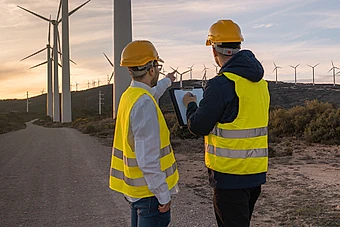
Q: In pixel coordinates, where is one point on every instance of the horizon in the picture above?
(287, 33)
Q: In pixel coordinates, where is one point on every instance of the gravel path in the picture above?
(56, 177)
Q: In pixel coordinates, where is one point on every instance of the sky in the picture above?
(287, 32)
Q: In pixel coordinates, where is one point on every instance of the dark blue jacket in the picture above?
(220, 104)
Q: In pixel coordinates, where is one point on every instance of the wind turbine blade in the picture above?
(38, 65)
(297, 66)
(274, 69)
(310, 66)
(330, 69)
(35, 14)
(316, 64)
(332, 63)
(186, 71)
(111, 76)
(292, 66)
(59, 8)
(73, 11)
(73, 62)
(108, 60)
(274, 64)
(175, 70)
(33, 54)
(49, 32)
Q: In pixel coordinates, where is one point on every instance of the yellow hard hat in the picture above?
(138, 53)
(224, 31)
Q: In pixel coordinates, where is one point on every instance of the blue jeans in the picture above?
(144, 213)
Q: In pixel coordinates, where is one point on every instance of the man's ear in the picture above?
(152, 71)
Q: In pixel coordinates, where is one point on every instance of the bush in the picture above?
(316, 122)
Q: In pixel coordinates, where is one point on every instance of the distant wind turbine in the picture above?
(49, 97)
(275, 69)
(333, 68)
(216, 68)
(313, 70)
(113, 70)
(294, 67)
(191, 71)
(180, 76)
(204, 78)
(176, 72)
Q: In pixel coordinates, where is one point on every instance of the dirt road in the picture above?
(56, 177)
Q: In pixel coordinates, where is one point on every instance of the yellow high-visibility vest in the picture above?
(125, 175)
(241, 147)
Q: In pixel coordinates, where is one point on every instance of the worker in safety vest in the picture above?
(143, 165)
(233, 117)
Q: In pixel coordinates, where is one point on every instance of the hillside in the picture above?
(285, 95)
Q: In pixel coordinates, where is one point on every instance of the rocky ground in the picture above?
(302, 189)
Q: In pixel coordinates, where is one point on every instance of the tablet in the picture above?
(177, 94)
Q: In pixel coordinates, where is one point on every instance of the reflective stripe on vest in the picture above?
(138, 182)
(237, 134)
(132, 162)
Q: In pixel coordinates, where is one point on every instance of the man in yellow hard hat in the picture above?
(233, 117)
(143, 165)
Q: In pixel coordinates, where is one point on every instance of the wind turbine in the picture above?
(56, 107)
(313, 70)
(216, 68)
(333, 68)
(275, 69)
(294, 67)
(176, 72)
(113, 71)
(181, 76)
(163, 72)
(56, 41)
(49, 98)
(204, 78)
(191, 71)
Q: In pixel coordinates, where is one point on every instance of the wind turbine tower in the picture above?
(66, 111)
(294, 67)
(333, 68)
(122, 35)
(275, 69)
(313, 70)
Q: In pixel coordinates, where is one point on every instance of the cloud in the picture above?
(263, 25)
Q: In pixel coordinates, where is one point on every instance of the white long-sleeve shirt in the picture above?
(145, 139)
